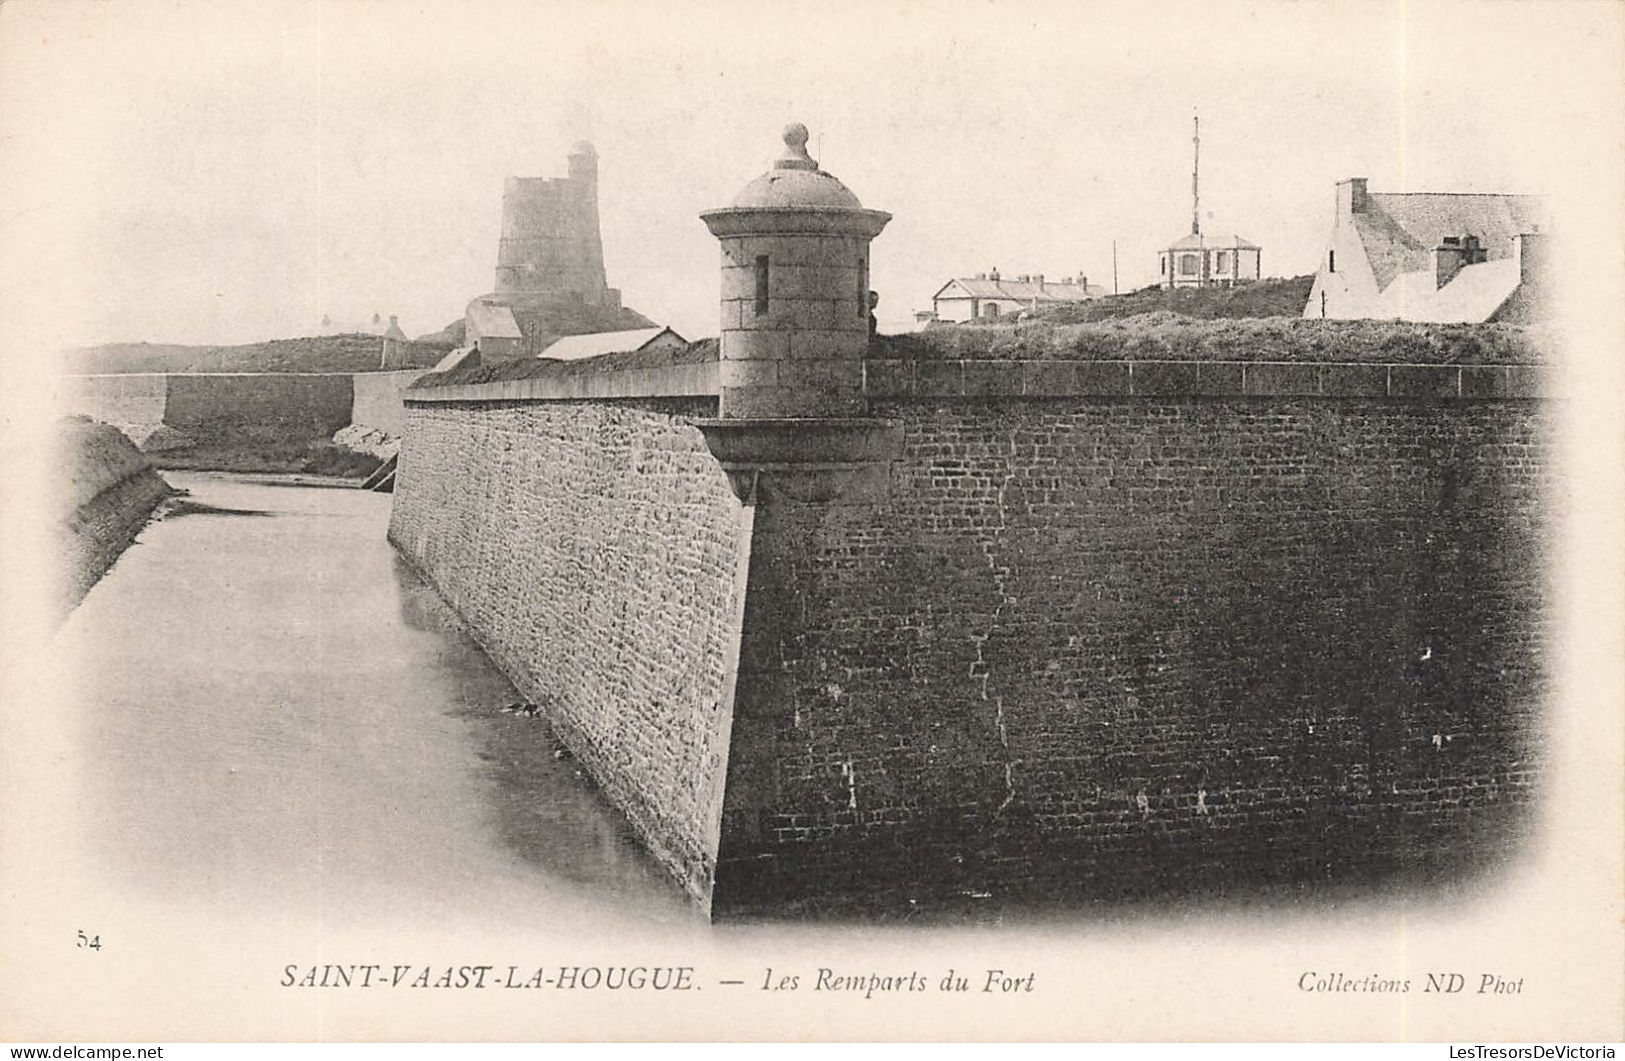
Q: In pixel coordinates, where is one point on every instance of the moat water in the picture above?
(273, 712)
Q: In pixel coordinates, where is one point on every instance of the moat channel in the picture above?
(275, 711)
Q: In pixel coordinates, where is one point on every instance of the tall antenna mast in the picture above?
(1196, 166)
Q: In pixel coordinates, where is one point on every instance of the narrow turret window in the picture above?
(863, 289)
(761, 285)
(1331, 261)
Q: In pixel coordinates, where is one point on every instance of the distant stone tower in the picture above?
(795, 291)
(550, 243)
(550, 277)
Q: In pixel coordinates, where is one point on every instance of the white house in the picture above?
(1429, 256)
(987, 296)
(1200, 260)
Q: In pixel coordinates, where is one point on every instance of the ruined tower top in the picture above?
(550, 243)
(582, 164)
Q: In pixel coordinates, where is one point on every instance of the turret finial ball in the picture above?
(795, 136)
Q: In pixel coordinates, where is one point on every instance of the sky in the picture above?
(217, 173)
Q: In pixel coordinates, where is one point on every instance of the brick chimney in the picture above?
(1351, 198)
(1448, 258)
(1534, 268)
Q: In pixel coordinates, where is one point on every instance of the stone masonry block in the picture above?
(938, 379)
(1424, 381)
(749, 373)
(980, 378)
(1219, 378)
(1483, 381)
(759, 401)
(1274, 379)
(844, 374)
(1527, 381)
(888, 379)
(813, 282)
(755, 345)
(796, 314)
(846, 313)
(1049, 379)
(739, 282)
(1103, 377)
(1354, 381)
(1164, 378)
(815, 343)
(809, 249)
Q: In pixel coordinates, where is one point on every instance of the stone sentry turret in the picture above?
(795, 290)
(795, 330)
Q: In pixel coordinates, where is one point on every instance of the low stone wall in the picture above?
(377, 400)
(112, 491)
(1086, 627)
(259, 405)
(168, 411)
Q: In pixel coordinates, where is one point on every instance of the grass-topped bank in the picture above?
(1167, 336)
(270, 455)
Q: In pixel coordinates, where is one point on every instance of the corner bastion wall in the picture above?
(592, 547)
(1183, 619)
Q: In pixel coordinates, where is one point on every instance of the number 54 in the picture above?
(91, 942)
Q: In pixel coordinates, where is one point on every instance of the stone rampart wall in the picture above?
(1108, 646)
(592, 548)
(1102, 627)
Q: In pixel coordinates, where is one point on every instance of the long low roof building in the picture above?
(596, 344)
(989, 295)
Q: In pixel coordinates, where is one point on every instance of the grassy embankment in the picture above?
(316, 457)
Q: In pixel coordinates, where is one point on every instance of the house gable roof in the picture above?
(1474, 294)
(1399, 230)
(1019, 290)
(494, 322)
(593, 344)
(1216, 243)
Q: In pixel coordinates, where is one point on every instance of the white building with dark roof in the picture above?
(1201, 260)
(491, 327)
(1428, 256)
(987, 296)
(596, 344)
